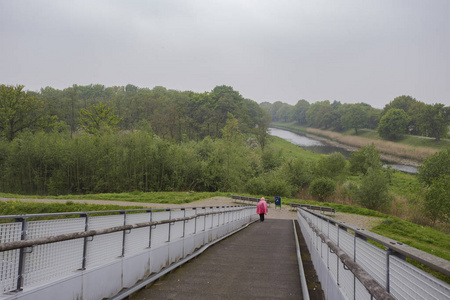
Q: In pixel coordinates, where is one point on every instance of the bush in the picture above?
(297, 173)
(322, 187)
(393, 124)
(434, 166)
(437, 200)
(330, 166)
(373, 193)
(366, 157)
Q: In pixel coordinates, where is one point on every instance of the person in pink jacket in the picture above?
(261, 209)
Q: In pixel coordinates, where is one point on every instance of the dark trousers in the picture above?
(261, 217)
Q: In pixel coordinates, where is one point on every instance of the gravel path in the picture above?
(274, 213)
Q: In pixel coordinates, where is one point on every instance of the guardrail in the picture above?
(322, 209)
(249, 199)
(351, 268)
(91, 256)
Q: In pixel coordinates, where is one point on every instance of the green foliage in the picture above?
(434, 166)
(364, 158)
(19, 111)
(373, 193)
(322, 187)
(437, 200)
(355, 116)
(331, 166)
(99, 117)
(393, 124)
(297, 172)
(271, 160)
(435, 120)
(300, 109)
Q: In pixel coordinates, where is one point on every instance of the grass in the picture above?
(8, 208)
(410, 147)
(152, 197)
(290, 150)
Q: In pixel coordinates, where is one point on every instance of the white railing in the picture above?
(351, 268)
(96, 256)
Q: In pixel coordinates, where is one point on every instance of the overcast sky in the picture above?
(279, 50)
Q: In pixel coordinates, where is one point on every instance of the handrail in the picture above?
(434, 262)
(84, 213)
(76, 235)
(374, 288)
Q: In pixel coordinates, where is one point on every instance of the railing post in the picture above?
(204, 219)
(85, 240)
(124, 213)
(195, 220)
(150, 229)
(21, 266)
(390, 252)
(184, 222)
(170, 223)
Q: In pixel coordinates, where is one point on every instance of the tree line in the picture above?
(174, 115)
(403, 115)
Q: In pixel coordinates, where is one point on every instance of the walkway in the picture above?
(259, 262)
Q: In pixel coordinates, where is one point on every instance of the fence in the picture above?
(349, 267)
(92, 256)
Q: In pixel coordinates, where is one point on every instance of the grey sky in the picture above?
(280, 50)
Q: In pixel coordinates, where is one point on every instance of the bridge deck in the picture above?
(258, 262)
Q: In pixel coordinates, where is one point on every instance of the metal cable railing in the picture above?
(351, 268)
(35, 252)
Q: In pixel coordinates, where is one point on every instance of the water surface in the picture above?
(323, 148)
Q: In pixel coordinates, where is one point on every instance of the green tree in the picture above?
(261, 131)
(98, 117)
(437, 200)
(364, 158)
(322, 187)
(300, 110)
(393, 124)
(435, 120)
(356, 117)
(434, 166)
(373, 193)
(19, 111)
(330, 166)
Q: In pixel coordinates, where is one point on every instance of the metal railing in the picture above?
(33, 253)
(349, 267)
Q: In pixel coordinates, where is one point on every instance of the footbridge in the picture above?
(204, 253)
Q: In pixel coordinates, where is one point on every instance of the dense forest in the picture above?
(88, 139)
(403, 115)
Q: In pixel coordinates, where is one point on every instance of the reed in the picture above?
(387, 147)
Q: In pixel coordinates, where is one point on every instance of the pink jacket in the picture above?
(261, 208)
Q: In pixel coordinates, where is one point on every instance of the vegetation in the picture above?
(415, 118)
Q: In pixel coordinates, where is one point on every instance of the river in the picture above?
(323, 148)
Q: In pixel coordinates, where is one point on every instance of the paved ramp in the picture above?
(259, 262)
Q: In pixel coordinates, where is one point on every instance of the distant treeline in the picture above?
(172, 114)
(403, 115)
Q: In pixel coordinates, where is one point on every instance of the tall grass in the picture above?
(393, 148)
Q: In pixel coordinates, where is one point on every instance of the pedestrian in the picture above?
(261, 209)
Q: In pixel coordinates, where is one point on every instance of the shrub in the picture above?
(437, 200)
(322, 187)
(366, 157)
(393, 124)
(434, 166)
(373, 193)
(330, 166)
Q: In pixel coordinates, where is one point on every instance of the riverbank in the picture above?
(389, 158)
(390, 152)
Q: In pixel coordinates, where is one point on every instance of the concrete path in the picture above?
(259, 262)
